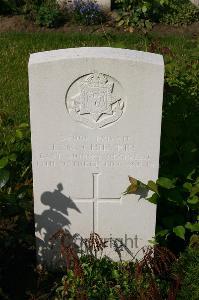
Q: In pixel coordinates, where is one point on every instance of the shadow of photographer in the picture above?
(52, 220)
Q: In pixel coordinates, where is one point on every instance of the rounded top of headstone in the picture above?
(96, 52)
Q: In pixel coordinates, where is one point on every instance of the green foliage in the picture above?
(142, 14)
(106, 279)
(178, 206)
(180, 12)
(31, 7)
(139, 14)
(178, 200)
(103, 279)
(8, 6)
(177, 187)
(188, 267)
(49, 15)
(178, 160)
(16, 225)
(194, 242)
(17, 6)
(44, 12)
(180, 141)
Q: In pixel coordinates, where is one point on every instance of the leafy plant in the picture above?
(87, 12)
(139, 14)
(179, 149)
(49, 15)
(106, 279)
(188, 268)
(180, 12)
(142, 14)
(8, 6)
(16, 225)
(178, 203)
(30, 8)
(179, 157)
(18, 6)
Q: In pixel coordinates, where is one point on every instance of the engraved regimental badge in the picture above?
(95, 100)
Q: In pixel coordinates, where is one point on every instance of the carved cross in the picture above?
(96, 200)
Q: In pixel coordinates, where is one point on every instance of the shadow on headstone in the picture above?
(142, 192)
(51, 221)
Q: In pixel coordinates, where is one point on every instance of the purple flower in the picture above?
(87, 11)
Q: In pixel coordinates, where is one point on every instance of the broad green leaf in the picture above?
(194, 227)
(175, 196)
(148, 24)
(4, 177)
(19, 134)
(171, 220)
(12, 157)
(152, 186)
(142, 185)
(3, 162)
(153, 242)
(193, 200)
(179, 231)
(153, 199)
(195, 190)
(162, 232)
(132, 180)
(189, 176)
(132, 188)
(120, 23)
(115, 274)
(165, 183)
(187, 186)
(23, 125)
(144, 8)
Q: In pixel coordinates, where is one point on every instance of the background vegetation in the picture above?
(143, 14)
(161, 274)
(130, 14)
(176, 192)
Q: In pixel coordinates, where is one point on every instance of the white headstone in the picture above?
(95, 119)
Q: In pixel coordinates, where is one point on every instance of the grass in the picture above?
(15, 49)
(181, 88)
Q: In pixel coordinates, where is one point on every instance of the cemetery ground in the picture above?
(18, 23)
(159, 276)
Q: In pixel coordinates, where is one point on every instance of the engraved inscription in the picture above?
(96, 152)
(98, 102)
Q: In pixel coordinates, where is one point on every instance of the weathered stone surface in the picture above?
(95, 119)
(195, 2)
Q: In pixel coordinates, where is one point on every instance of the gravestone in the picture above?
(95, 119)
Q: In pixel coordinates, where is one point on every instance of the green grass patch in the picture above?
(178, 161)
(15, 49)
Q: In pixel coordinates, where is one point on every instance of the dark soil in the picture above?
(192, 30)
(18, 23)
